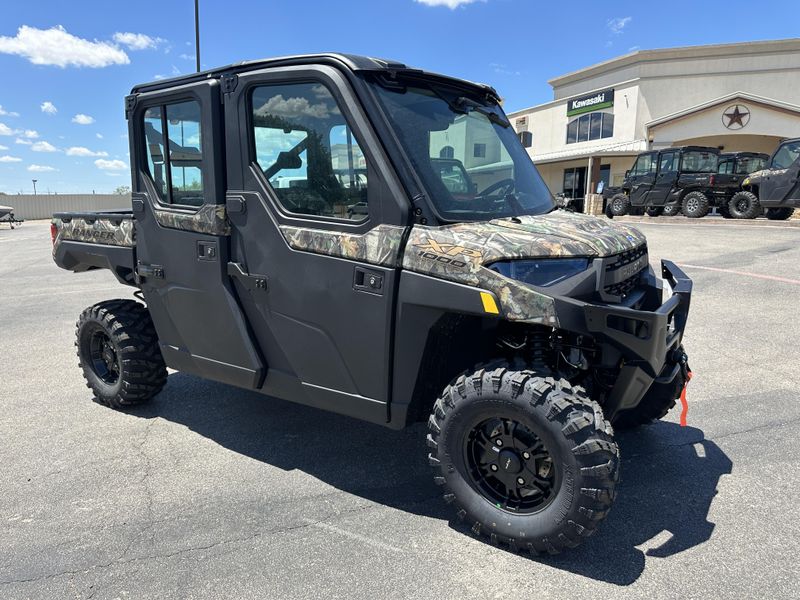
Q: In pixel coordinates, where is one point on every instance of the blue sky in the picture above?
(66, 66)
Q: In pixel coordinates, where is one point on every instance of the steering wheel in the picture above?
(506, 185)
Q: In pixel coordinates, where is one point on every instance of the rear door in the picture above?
(782, 182)
(318, 219)
(182, 236)
(643, 177)
(666, 177)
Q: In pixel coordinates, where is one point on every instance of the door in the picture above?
(318, 218)
(642, 177)
(781, 182)
(666, 177)
(575, 183)
(182, 237)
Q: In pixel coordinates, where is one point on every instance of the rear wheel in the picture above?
(528, 461)
(695, 205)
(118, 352)
(619, 205)
(744, 205)
(779, 214)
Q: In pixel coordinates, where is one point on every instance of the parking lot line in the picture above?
(744, 273)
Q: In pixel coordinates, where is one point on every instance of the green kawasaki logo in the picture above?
(604, 99)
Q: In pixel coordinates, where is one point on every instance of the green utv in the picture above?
(371, 239)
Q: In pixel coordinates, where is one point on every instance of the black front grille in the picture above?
(622, 287)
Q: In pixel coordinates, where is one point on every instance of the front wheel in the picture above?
(528, 461)
(118, 352)
(744, 205)
(780, 214)
(654, 211)
(619, 205)
(671, 210)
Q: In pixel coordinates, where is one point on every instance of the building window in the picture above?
(526, 137)
(592, 126)
(479, 151)
(447, 152)
(177, 174)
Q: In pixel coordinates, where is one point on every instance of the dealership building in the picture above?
(735, 97)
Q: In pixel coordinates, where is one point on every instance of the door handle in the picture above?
(253, 283)
(367, 280)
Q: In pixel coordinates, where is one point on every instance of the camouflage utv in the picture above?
(371, 239)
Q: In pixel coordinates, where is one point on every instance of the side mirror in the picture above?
(288, 160)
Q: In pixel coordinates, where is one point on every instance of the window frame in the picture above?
(206, 94)
(588, 118)
(298, 76)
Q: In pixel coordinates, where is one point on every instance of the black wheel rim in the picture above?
(510, 466)
(103, 357)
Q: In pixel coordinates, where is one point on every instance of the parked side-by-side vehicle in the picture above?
(317, 229)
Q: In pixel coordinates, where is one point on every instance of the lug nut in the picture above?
(493, 467)
(499, 442)
(526, 455)
(520, 481)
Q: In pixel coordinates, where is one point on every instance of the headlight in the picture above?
(542, 273)
(746, 181)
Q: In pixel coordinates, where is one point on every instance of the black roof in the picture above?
(352, 62)
(739, 154)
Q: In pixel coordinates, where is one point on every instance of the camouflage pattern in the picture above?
(209, 218)
(108, 231)
(461, 252)
(756, 177)
(378, 246)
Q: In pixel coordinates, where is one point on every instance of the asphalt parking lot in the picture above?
(213, 492)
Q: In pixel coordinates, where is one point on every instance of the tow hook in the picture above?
(683, 360)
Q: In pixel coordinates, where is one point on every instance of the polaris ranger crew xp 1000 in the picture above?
(372, 239)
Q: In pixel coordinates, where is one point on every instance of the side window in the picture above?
(307, 151)
(786, 155)
(668, 163)
(178, 173)
(725, 167)
(646, 163)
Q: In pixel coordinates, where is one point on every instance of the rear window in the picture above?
(697, 161)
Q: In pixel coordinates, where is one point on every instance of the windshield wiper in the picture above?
(464, 104)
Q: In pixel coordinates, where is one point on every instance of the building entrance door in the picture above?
(575, 183)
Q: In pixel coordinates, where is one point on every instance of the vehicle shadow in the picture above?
(669, 473)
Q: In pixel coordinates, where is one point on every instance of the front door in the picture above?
(783, 180)
(642, 177)
(315, 218)
(182, 237)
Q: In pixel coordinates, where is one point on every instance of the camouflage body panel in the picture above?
(378, 246)
(103, 230)
(461, 252)
(756, 177)
(209, 218)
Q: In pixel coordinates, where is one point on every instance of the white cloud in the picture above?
(31, 134)
(82, 119)
(57, 47)
(293, 108)
(6, 130)
(617, 24)
(40, 169)
(9, 159)
(502, 69)
(81, 151)
(99, 136)
(187, 56)
(3, 147)
(7, 113)
(23, 142)
(110, 165)
(48, 108)
(137, 41)
(44, 147)
(451, 4)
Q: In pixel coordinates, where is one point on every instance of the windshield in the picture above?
(465, 152)
(750, 164)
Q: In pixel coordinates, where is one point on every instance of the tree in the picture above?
(122, 190)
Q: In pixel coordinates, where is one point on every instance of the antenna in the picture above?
(197, 32)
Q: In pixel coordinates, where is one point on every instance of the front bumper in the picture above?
(645, 338)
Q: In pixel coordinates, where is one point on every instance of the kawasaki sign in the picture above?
(584, 104)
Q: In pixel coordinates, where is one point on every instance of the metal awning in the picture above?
(621, 148)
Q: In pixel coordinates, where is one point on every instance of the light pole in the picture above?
(197, 32)
(34, 185)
